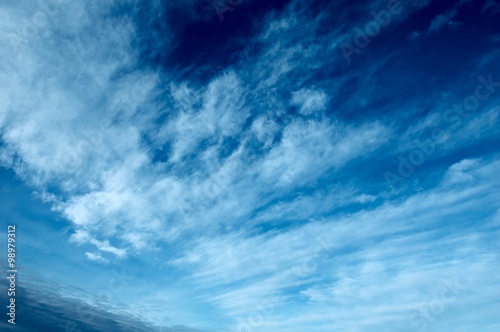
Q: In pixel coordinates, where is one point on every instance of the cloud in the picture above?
(309, 101)
(446, 18)
(260, 184)
(96, 257)
(491, 7)
(35, 307)
(132, 168)
(443, 20)
(357, 255)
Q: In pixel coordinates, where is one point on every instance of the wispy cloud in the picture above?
(96, 257)
(261, 185)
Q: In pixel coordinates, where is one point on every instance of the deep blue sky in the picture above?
(274, 170)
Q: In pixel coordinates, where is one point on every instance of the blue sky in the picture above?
(252, 165)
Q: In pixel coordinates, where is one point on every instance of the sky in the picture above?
(242, 165)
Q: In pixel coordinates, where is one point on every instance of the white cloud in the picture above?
(309, 101)
(308, 148)
(82, 125)
(441, 21)
(79, 128)
(220, 116)
(96, 257)
(382, 260)
(446, 19)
